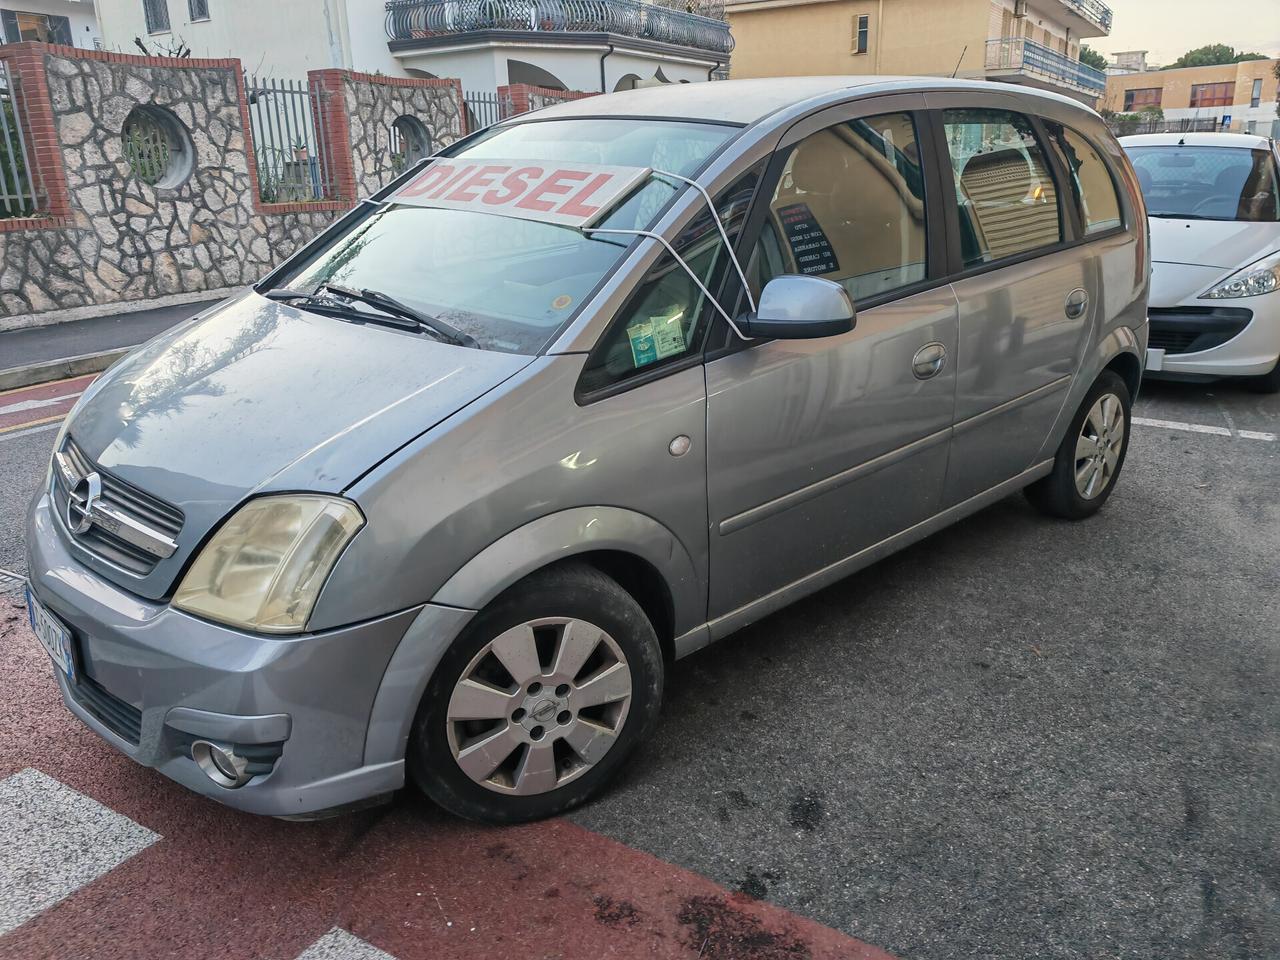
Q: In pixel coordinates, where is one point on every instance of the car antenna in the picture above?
(960, 61)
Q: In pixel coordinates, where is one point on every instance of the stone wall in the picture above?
(375, 103)
(525, 97)
(109, 237)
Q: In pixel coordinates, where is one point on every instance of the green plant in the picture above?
(1212, 55)
(1092, 57)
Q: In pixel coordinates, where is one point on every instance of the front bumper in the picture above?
(1238, 338)
(151, 679)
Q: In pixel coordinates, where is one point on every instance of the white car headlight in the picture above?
(264, 568)
(1254, 280)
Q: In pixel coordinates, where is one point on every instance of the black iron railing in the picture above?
(422, 19)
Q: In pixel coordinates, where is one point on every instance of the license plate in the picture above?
(1155, 358)
(53, 636)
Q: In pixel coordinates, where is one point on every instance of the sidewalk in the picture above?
(40, 354)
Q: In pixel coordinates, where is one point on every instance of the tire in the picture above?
(550, 745)
(1267, 383)
(1060, 494)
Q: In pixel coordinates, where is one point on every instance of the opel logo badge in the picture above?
(81, 502)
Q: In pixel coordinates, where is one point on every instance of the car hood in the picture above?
(1224, 244)
(258, 396)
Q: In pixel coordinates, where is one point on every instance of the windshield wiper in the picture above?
(388, 305)
(1182, 216)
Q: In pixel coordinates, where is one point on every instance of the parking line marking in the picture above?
(337, 944)
(57, 840)
(1205, 428)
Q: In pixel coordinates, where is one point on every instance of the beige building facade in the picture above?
(1241, 94)
(1036, 42)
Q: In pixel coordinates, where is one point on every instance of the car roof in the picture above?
(748, 101)
(1249, 140)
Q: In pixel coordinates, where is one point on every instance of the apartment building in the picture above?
(1240, 97)
(1033, 42)
(72, 22)
(561, 44)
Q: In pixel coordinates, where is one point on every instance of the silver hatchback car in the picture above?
(445, 495)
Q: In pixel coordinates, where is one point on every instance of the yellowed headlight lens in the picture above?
(264, 568)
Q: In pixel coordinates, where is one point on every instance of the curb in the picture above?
(47, 370)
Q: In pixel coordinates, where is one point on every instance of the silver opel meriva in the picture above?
(446, 495)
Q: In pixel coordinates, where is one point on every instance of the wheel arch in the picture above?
(632, 548)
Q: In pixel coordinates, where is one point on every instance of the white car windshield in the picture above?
(504, 283)
(1194, 182)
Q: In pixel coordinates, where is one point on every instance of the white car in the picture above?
(1213, 202)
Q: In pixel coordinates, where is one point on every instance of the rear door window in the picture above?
(1088, 179)
(1008, 202)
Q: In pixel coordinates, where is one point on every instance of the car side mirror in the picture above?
(800, 308)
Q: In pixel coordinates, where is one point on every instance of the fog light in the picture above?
(221, 764)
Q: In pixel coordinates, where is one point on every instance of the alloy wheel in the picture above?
(1099, 445)
(539, 705)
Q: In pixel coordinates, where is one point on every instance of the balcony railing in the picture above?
(1029, 57)
(1095, 11)
(421, 19)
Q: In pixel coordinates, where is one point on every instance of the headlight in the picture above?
(265, 566)
(1254, 280)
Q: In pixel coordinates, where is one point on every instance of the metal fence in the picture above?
(1027, 56)
(287, 119)
(485, 109)
(18, 196)
(1126, 124)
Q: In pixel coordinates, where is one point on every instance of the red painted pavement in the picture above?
(29, 405)
(406, 878)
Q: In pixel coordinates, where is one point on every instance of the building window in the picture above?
(1211, 94)
(157, 14)
(1255, 98)
(199, 9)
(861, 32)
(46, 28)
(1142, 97)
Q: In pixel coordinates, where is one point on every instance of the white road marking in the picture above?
(337, 944)
(1205, 428)
(30, 430)
(36, 404)
(56, 841)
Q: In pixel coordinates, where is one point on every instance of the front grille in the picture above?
(1192, 329)
(123, 719)
(126, 499)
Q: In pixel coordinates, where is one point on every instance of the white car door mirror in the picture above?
(800, 308)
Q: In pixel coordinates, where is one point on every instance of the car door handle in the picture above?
(1077, 303)
(929, 361)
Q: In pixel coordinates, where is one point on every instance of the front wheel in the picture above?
(1267, 383)
(1089, 459)
(539, 702)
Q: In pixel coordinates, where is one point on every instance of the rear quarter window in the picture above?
(1089, 180)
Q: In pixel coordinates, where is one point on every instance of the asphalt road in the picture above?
(1019, 738)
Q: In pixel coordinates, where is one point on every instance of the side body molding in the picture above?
(580, 530)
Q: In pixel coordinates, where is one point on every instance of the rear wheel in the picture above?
(540, 701)
(1091, 455)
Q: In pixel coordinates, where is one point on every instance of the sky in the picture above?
(1169, 28)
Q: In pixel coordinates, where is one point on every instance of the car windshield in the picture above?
(511, 283)
(1207, 183)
